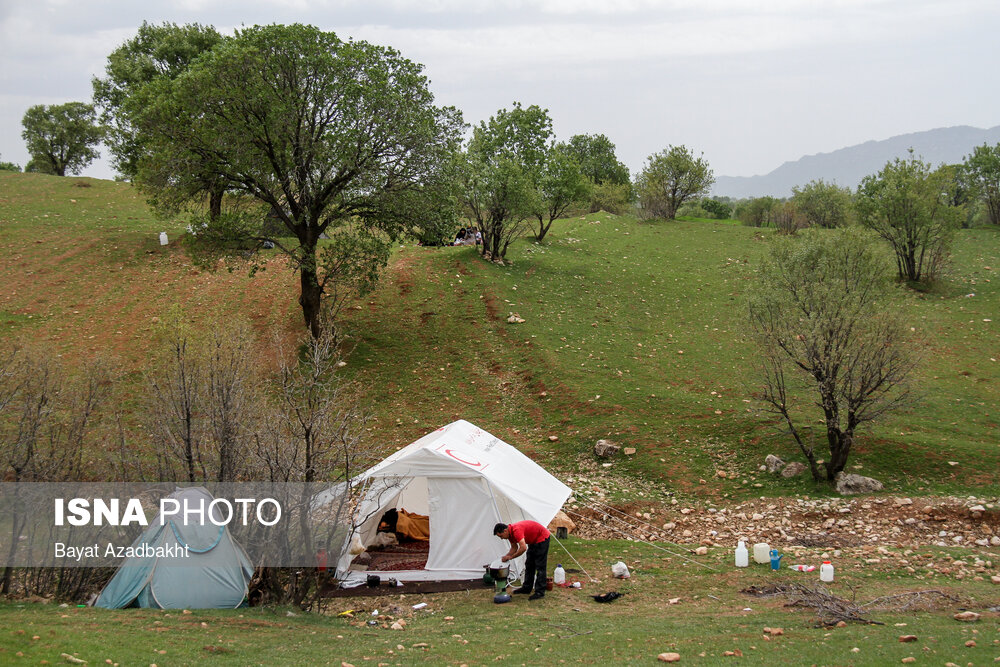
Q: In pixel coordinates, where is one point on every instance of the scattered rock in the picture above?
(967, 617)
(629, 451)
(733, 654)
(900, 502)
(605, 448)
(561, 520)
(72, 659)
(907, 638)
(553, 438)
(669, 657)
(396, 626)
(701, 551)
(792, 469)
(909, 660)
(774, 632)
(515, 319)
(849, 484)
(773, 464)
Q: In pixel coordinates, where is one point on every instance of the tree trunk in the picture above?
(839, 454)
(543, 229)
(215, 194)
(311, 295)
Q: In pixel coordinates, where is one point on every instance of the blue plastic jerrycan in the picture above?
(776, 559)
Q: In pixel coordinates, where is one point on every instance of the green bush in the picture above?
(611, 198)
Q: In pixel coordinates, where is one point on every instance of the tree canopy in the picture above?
(61, 138)
(909, 206)
(504, 162)
(823, 204)
(560, 185)
(595, 154)
(162, 51)
(670, 178)
(818, 315)
(328, 137)
(982, 171)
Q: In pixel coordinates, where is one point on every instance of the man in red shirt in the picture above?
(532, 537)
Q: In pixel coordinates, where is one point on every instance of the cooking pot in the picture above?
(498, 572)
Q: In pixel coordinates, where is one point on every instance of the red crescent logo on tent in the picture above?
(468, 463)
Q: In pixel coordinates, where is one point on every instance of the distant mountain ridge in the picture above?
(847, 166)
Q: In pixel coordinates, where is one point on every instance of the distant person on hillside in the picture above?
(460, 237)
(532, 537)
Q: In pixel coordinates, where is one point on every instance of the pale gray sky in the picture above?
(749, 84)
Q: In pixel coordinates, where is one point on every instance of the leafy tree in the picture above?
(787, 218)
(595, 154)
(39, 167)
(156, 52)
(717, 209)
(670, 178)
(612, 198)
(756, 212)
(823, 204)
(330, 137)
(9, 166)
(560, 185)
(982, 170)
(62, 137)
(907, 204)
(505, 160)
(819, 317)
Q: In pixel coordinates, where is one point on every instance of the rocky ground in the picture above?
(883, 531)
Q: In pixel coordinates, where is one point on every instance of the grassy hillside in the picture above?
(632, 331)
(636, 332)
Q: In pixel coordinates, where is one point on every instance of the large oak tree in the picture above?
(330, 137)
(61, 138)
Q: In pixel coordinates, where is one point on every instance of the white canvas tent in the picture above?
(465, 480)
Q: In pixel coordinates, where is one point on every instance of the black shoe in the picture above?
(536, 596)
(522, 589)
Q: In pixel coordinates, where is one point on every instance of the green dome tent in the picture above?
(214, 574)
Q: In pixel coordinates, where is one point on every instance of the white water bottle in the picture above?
(742, 555)
(826, 571)
(559, 576)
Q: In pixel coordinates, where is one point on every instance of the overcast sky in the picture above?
(749, 84)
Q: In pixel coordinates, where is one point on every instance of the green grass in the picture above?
(634, 331)
(708, 617)
(637, 332)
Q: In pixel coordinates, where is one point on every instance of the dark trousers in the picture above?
(536, 563)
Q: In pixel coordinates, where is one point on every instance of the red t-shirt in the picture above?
(531, 532)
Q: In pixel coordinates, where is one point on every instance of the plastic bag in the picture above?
(802, 568)
(357, 547)
(620, 570)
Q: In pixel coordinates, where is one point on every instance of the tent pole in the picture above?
(496, 509)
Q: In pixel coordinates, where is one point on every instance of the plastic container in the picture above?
(762, 553)
(742, 556)
(559, 576)
(826, 571)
